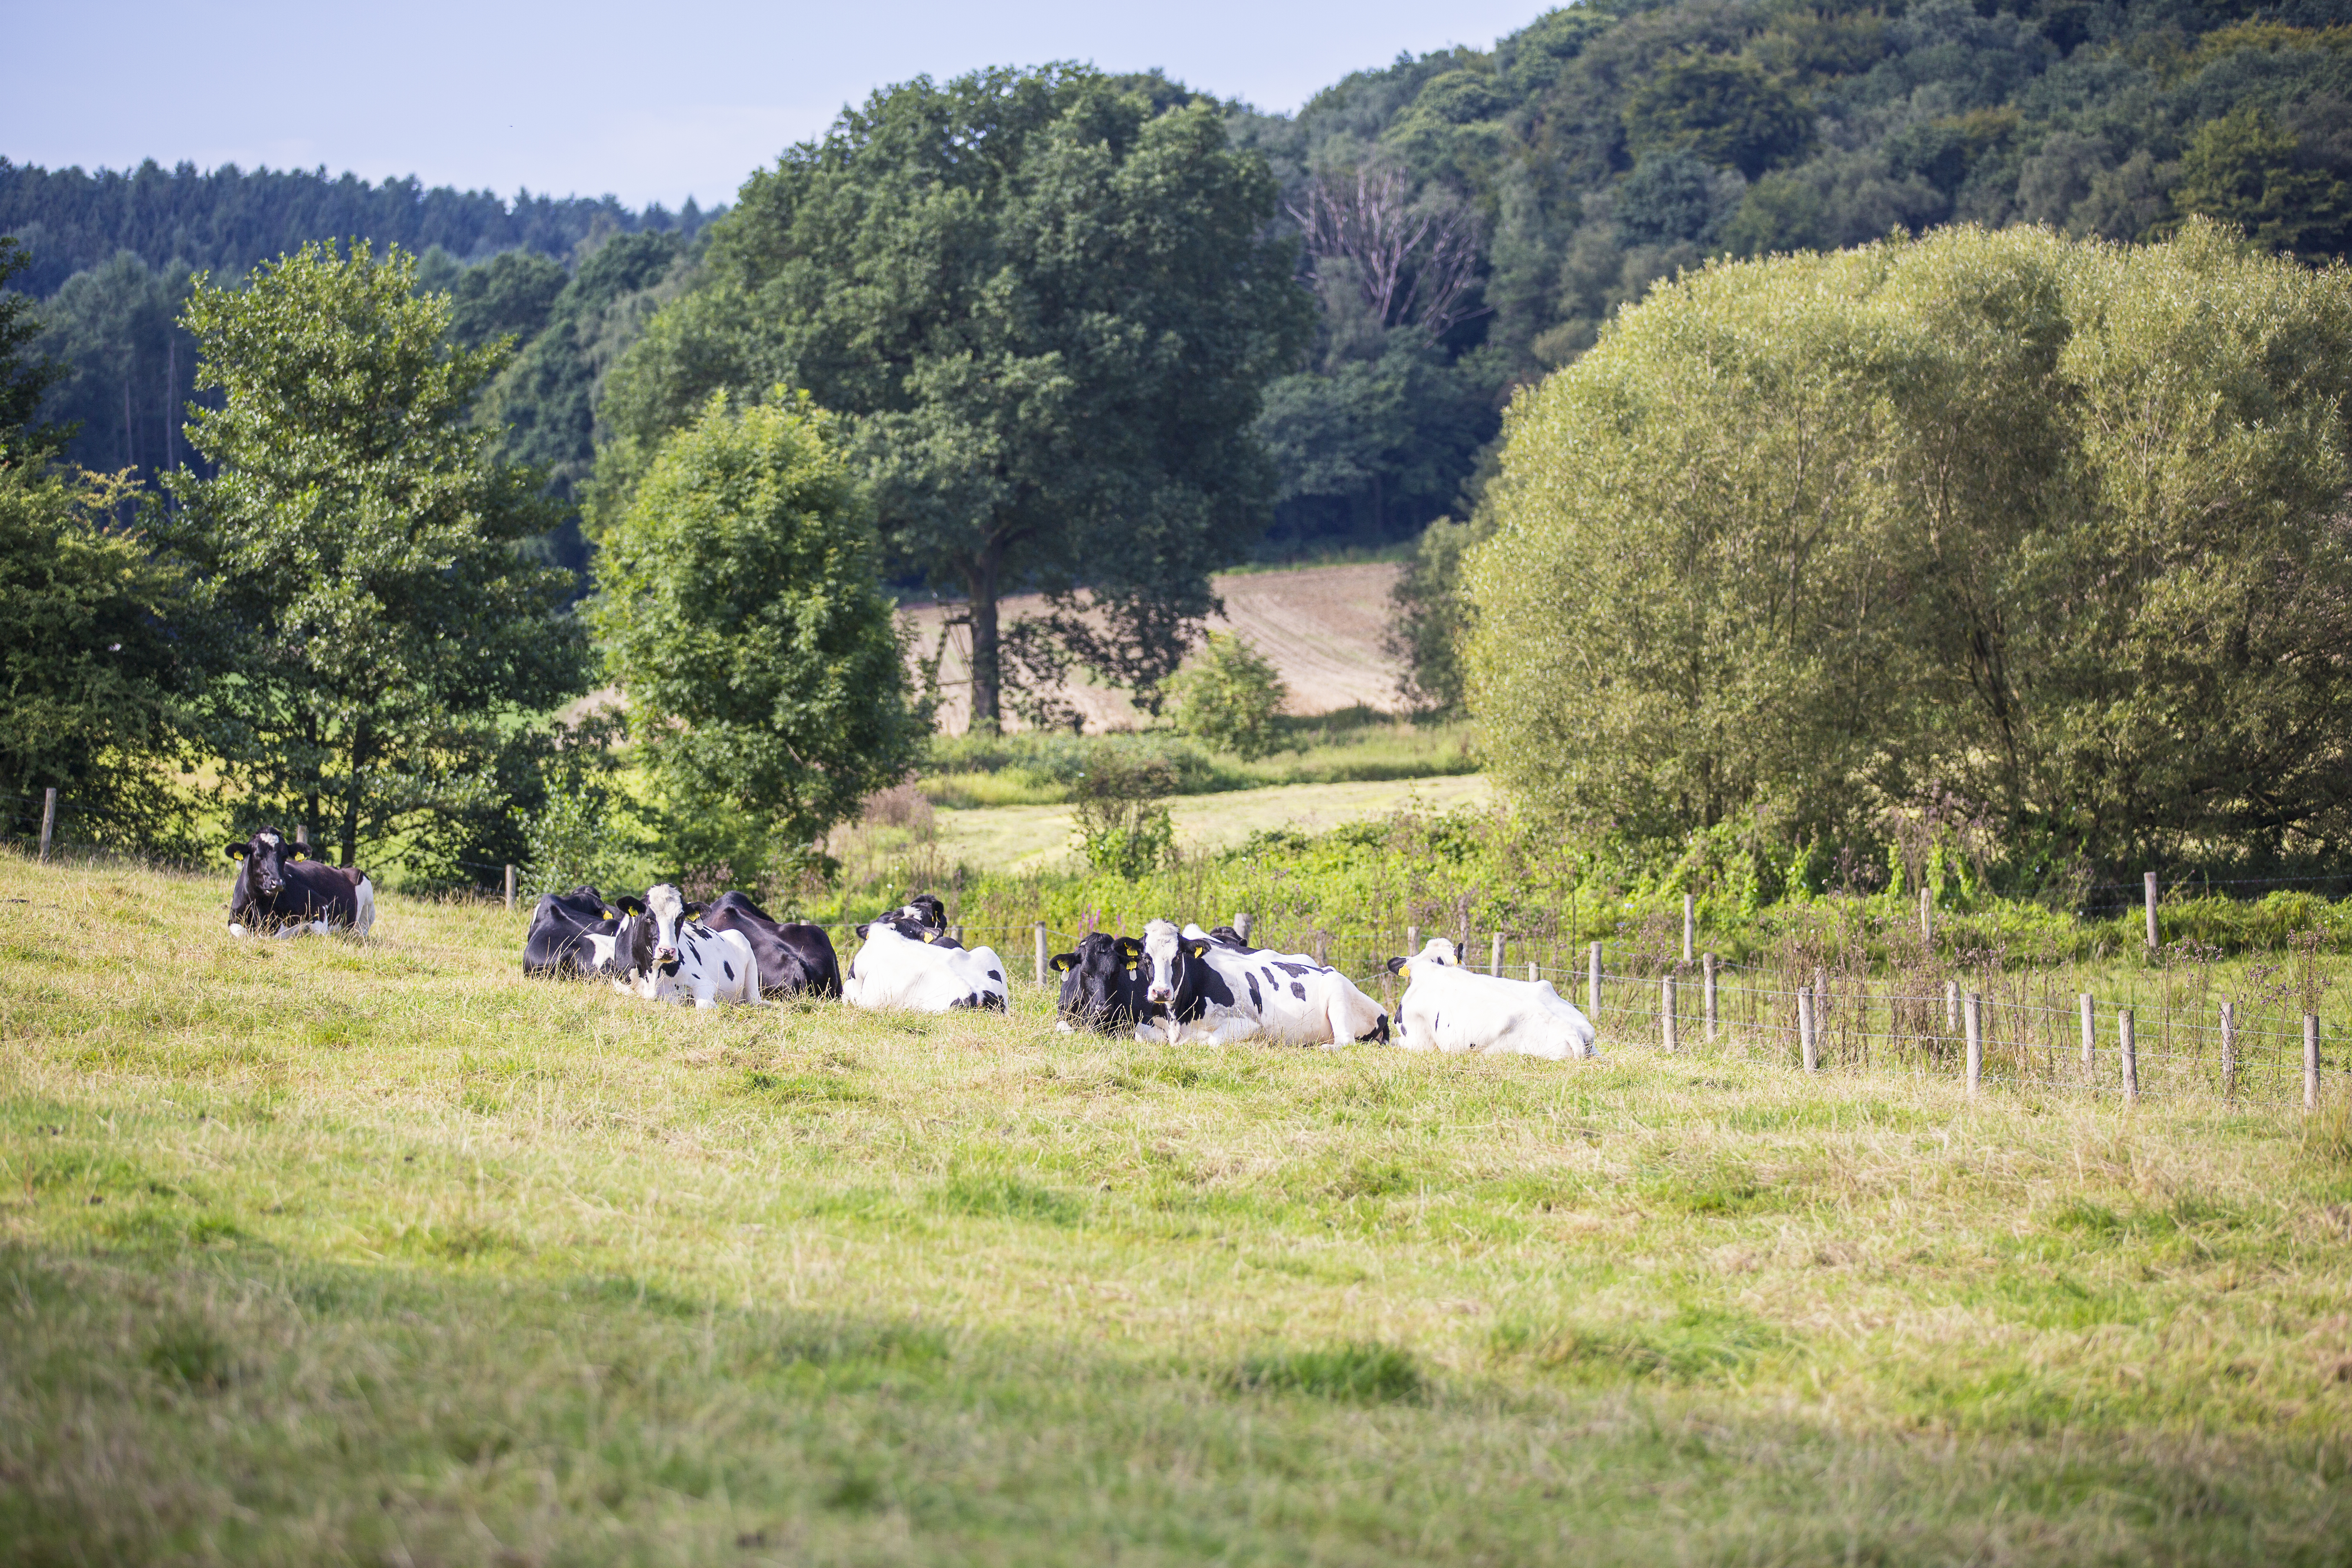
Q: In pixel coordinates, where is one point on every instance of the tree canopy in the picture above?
(1045, 301)
(2049, 531)
(363, 540)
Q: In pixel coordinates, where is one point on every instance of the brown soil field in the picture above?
(1321, 626)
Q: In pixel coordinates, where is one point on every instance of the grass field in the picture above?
(316, 1252)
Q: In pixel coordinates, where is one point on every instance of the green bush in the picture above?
(1121, 814)
(1228, 695)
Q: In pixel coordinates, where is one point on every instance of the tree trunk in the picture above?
(987, 663)
(351, 796)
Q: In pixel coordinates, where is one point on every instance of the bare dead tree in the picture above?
(1415, 261)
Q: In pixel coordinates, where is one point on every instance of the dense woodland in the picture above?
(1318, 353)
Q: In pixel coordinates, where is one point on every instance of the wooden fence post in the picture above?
(1975, 1016)
(1690, 923)
(2090, 1036)
(1668, 1035)
(1494, 958)
(1037, 937)
(1926, 917)
(955, 935)
(2229, 1052)
(1951, 1008)
(2311, 1061)
(2128, 1042)
(1593, 984)
(1812, 1053)
(303, 834)
(1411, 941)
(1534, 974)
(49, 822)
(510, 886)
(1322, 948)
(2148, 886)
(1707, 1001)
(1241, 923)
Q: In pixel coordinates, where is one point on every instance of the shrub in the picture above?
(1228, 695)
(1122, 815)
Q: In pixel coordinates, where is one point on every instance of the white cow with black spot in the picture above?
(1447, 1007)
(1212, 988)
(663, 955)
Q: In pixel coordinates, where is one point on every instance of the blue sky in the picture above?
(651, 102)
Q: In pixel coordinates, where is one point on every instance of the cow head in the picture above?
(1437, 953)
(666, 907)
(1099, 985)
(633, 939)
(925, 913)
(265, 856)
(1168, 957)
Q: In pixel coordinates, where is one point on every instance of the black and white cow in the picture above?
(663, 955)
(571, 934)
(281, 891)
(906, 964)
(797, 959)
(1448, 1007)
(1213, 991)
(1103, 987)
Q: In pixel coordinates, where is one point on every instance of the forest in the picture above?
(1405, 260)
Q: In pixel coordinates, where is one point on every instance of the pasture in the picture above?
(317, 1252)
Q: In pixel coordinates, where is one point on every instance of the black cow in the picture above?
(795, 958)
(1102, 989)
(281, 891)
(922, 917)
(571, 934)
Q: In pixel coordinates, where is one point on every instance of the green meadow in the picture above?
(324, 1252)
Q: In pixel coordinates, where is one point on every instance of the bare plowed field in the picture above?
(1321, 626)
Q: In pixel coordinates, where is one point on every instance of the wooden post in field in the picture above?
(1707, 1003)
(1322, 948)
(1592, 985)
(509, 885)
(1805, 1029)
(2148, 887)
(1242, 927)
(2311, 1061)
(1951, 1008)
(2229, 1052)
(1975, 1014)
(1534, 974)
(2129, 1041)
(303, 834)
(1667, 1033)
(1411, 941)
(2090, 1037)
(1690, 922)
(1926, 917)
(1037, 937)
(1495, 957)
(49, 822)
(955, 935)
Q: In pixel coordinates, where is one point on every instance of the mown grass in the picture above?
(312, 1252)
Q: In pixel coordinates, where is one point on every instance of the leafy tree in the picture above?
(1119, 813)
(1725, 111)
(362, 538)
(2243, 169)
(1434, 616)
(129, 366)
(1047, 303)
(737, 608)
(2050, 529)
(22, 384)
(510, 295)
(98, 654)
(1229, 695)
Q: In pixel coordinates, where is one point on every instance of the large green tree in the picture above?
(24, 380)
(363, 538)
(737, 608)
(1046, 300)
(2054, 529)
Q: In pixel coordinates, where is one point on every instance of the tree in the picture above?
(363, 540)
(23, 384)
(1047, 301)
(2054, 529)
(98, 656)
(737, 608)
(2243, 169)
(1229, 695)
(1725, 111)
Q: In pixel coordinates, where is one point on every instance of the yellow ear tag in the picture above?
(929, 937)
(1405, 972)
(1131, 969)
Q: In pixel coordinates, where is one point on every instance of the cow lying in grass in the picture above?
(1213, 989)
(571, 934)
(1447, 1007)
(907, 963)
(795, 958)
(662, 954)
(281, 891)
(1103, 988)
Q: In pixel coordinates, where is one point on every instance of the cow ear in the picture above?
(1198, 949)
(630, 906)
(861, 930)
(694, 910)
(237, 851)
(1396, 965)
(1063, 963)
(301, 851)
(1129, 949)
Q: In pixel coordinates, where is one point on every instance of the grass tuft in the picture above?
(1365, 1372)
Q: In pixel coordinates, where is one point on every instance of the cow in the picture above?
(569, 934)
(281, 891)
(1213, 991)
(797, 959)
(663, 955)
(1447, 1007)
(1102, 988)
(905, 963)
